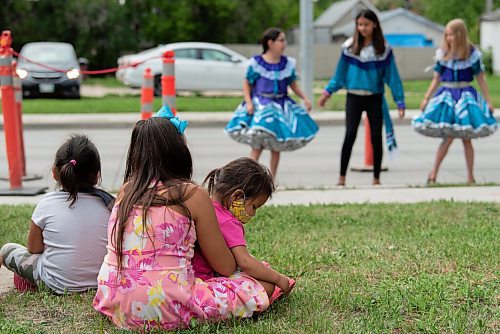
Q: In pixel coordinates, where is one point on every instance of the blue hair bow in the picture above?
(165, 112)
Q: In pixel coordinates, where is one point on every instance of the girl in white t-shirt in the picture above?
(67, 237)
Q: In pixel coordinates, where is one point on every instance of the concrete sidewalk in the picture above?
(345, 195)
(195, 119)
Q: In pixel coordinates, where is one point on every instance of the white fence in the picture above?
(411, 62)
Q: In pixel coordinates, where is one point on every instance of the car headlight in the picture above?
(21, 73)
(73, 73)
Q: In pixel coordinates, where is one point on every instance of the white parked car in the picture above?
(198, 67)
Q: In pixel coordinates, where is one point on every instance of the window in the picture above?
(186, 54)
(216, 55)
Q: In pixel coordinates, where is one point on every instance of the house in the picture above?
(401, 21)
(338, 15)
(489, 36)
(401, 27)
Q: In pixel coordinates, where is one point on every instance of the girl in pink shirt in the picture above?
(238, 189)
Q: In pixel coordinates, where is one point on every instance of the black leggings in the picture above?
(355, 105)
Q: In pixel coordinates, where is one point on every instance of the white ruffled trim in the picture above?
(458, 64)
(271, 75)
(367, 53)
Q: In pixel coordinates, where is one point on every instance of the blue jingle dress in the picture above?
(278, 123)
(456, 110)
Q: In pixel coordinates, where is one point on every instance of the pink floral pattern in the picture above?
(157, 287)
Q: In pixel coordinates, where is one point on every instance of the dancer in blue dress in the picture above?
(268, 118)
(456, 110)
(366, 64)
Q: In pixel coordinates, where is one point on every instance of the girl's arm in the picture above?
(208, 233)
(436, 79)
(247, 96)
(296, 89)
(337, 81)
(393, 80)
(484, 89)
(35, 240)
(258, 270)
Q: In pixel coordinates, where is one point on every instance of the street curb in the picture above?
(195, 119)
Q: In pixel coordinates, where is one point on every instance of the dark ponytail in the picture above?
(211, 180)
(243, 174)
(270, 34)
(77, 166)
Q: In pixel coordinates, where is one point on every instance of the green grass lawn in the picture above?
(414, 92)
(418, 268)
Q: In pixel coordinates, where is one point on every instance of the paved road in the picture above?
(315, 166)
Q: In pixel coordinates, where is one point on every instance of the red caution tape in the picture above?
(87, 72)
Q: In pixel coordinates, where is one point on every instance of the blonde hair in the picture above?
(461, 47)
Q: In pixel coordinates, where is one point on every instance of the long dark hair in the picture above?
(159, 167)
(77, 165)
(377, 35)
(270, 34)
(243, 174)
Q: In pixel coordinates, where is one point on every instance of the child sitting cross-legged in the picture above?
(67, 237)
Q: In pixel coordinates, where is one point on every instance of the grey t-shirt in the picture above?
(75, 240)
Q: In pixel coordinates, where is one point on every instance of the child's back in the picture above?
(75, 240)
(233, 233)
(67, 237)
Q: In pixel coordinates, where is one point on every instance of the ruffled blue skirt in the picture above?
(278, 125)
(457, 113)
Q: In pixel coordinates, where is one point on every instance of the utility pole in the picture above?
(488, 6)
(306, 48)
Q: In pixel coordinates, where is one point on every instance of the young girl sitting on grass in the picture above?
(67, 237)
(238, 189)
(147, 280)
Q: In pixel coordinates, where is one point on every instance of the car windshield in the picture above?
(49, 54)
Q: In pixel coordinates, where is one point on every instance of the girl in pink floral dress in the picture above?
(147, 280)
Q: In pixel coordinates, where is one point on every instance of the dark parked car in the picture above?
(59, 77)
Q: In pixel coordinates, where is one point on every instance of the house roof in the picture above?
(491, 16)
(388, 14)
(348, 28)
(337, 10)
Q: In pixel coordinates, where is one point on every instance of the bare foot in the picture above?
(376, 182)
(431, 179)
(341, 181)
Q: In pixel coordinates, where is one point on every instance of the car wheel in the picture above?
(157, 83)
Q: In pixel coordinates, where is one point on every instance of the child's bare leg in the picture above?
(255, 153)
(275, 159)
(469, 159)
(440, 154)
(269, 287)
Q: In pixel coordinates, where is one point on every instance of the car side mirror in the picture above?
(235, 59)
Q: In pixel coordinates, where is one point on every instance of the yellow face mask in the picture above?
(237, 208)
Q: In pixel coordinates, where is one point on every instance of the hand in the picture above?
(322, 100)
(284, 284)
(307, 103)
(423, 104)
(401, 112)
(250, 109)
(490, 106)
